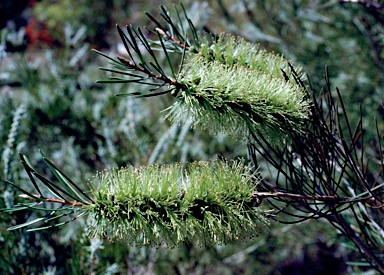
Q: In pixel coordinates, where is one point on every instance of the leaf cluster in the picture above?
(329, 162)
(68, 196)
(209, 85)
(143, 66)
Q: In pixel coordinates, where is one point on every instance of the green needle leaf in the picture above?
(26, 192)
(167, 56)
(106, 56)
(25, 224)
(66, 181)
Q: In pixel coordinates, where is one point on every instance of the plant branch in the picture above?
(298, 197)
(172, 39)
(257, 196)
(348, 231)
(132, 65)
(60, 201)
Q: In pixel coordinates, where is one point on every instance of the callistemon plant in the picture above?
(227, 85)
(201, 203)
(232, 86)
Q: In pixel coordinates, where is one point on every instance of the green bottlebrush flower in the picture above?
(233, 87)
(168, 204)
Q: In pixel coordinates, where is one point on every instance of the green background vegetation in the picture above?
(83, 128)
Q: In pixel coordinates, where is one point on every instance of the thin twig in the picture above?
(297, 197)
(172, 39)
(62, 202)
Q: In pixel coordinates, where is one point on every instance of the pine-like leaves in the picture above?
(226, 86)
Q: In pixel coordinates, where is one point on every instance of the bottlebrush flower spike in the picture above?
(168, 204)
(233, 87)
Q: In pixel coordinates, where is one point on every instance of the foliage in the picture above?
(209, 86)
(113, 126)
(326, 156)
(62, 12)
(151, 205)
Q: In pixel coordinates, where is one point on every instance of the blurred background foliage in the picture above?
(49, 101)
